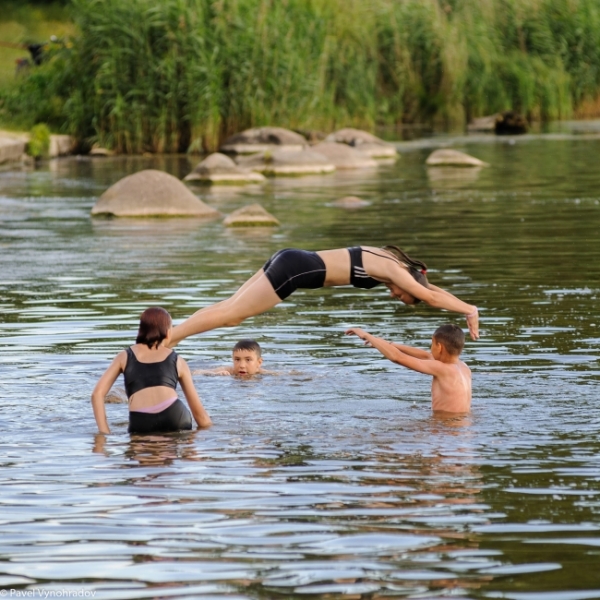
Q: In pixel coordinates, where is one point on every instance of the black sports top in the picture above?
(139, 375)
(358, 276)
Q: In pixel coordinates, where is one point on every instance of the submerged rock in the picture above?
(151, 193)
(364, 141)
(260, 139)
(350, 202)
(343, 156)
(287, 162)
(220, 169)
(453, 158)
(253, 215)
(452, 177)
(116, 396)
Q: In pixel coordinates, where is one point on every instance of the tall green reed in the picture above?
(170, 75)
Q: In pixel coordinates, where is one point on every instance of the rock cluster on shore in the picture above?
(287, 162)
(260, 139)
(364, 141)
(275, 152)
(252, 155)
(13, 146)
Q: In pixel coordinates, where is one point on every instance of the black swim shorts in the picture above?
(174, 418)
(290, 269)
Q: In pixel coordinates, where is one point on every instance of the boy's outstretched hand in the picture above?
(361, 333)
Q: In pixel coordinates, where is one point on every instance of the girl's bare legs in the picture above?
(254, 297)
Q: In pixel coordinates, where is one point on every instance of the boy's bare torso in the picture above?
(451, 389)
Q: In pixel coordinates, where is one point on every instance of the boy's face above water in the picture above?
(436, 349)
(246, 362)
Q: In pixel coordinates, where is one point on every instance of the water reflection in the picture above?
(158, 450)
(444, 178)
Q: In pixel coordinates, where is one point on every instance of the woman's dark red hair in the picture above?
(155, 323)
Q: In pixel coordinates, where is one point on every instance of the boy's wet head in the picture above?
(452, 337)
(247, 358)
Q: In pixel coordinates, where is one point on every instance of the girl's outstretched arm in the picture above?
(191, 395)
(103, 387)
(439, 298)
(434, 296)
(472, 317)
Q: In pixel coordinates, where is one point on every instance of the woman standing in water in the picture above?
(361, 266)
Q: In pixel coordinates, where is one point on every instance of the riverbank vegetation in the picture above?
(24, 23)
(142, 75)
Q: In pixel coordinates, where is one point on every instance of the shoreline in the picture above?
(13, 144)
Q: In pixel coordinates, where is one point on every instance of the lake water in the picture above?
(332, 479)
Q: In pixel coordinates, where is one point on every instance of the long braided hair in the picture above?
(417, 268)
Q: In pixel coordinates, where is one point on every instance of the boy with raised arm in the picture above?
(451, 385)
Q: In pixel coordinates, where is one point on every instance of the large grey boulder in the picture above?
(220, 169)
(253, 215)
(343, 156)
(446, 157)
(151, 193)
(260, 139)
(287, 162)
(364, 141)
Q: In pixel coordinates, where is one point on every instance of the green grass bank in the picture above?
(23, 23)
(142, 75)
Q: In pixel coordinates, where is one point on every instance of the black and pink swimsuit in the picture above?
(291, 269)
(170, 415)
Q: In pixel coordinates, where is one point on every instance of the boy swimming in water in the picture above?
(247, 361)
(451, 385)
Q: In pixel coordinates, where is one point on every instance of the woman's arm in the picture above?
(102, 388)
(435, 296)
(472, 317)
(191, 395)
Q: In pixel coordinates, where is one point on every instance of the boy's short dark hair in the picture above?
(452, 337)
(249, 345)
